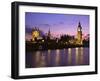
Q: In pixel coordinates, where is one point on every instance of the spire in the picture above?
(79, 34)
(49, 33)
(79, 25)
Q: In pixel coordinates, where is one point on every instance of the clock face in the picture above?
(79, 29)
(35, 33)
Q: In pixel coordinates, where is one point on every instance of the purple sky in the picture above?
(58, 23)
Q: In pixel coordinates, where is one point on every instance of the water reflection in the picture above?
(49, 52)
(63, 57)
(69, 56)
(40, 59)
(79, 55)
(37, 55)
(57, 58)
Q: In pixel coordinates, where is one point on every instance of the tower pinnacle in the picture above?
(79, 33)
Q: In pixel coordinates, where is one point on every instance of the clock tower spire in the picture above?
(79, 34)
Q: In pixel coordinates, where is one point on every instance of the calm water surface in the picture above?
(58, 57)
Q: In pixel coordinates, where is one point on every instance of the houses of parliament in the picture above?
(38, 34)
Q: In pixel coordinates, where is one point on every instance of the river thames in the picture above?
(59, 57)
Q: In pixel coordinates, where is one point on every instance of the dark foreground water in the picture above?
(59, 57)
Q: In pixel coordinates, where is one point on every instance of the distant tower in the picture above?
(49, 33)
(79, 34)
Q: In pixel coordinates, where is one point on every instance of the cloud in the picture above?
(47, 25)
(59, 23)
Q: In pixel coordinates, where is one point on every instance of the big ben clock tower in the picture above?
(79, 34)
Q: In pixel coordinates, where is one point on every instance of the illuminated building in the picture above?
(36, 34)
(79, 34)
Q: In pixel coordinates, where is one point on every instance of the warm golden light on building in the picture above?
(79, 34)
(35, 34)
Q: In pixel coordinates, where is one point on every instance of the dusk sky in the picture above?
(57, 23)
